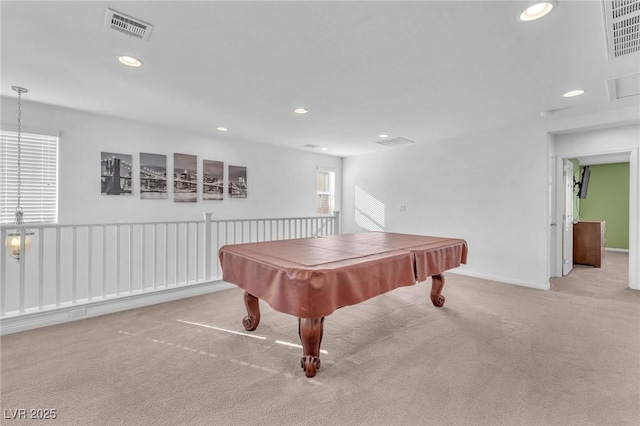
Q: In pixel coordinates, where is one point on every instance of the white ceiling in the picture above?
(424, 71)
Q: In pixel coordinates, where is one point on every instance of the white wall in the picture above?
(281, 182)
(488, 189)
(597, 141)
(491, 189)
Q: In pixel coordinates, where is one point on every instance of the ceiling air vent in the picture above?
(394, 142)
(622, 26)
(128, 25)
(310, 145)
(623, 87)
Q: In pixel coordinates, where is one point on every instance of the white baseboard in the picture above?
(531, 284)
(94, 308)
(616, 249)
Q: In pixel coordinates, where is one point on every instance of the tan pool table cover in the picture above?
(312, 277)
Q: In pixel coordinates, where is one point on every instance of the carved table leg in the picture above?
(437, 282)
(310, 331)
(252, 303)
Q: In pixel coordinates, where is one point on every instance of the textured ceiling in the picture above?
(423, 71)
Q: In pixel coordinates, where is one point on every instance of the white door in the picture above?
(567, 218)
(555, 261)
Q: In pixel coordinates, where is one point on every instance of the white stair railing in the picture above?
(71, 265)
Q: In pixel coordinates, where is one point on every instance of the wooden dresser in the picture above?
(588, 242)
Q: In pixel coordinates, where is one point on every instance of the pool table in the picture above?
(311, 277)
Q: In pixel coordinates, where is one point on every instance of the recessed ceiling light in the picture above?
(301, 111)
(536, 11)
(573, 93)
(324, 148)
(384, 135)
(129, 61)
(221, 129)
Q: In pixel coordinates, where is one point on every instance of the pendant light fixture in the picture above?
(18, 240)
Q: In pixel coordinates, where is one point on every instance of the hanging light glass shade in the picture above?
(18, 240)
(13, 242)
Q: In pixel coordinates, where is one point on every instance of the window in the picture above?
(38, 175)
(325, 189)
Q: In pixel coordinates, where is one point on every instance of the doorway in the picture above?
(557, 206)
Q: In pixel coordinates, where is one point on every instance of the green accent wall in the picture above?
(608, 200)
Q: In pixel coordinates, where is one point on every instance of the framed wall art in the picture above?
(153, 176)
(237, 182)
(115, 173)
(212, 180)
(185, 178)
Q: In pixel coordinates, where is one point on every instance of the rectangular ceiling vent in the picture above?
(310, 145)
(394, 142)
(127, 24)
(622, 27)
(622, 87)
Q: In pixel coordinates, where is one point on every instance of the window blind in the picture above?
(323, 191)
(39, 177)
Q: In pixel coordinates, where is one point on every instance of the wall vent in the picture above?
(394, 142)
(127, 24)
(622, 87)
(622, 27)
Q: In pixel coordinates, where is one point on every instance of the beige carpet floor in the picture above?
(496, 354)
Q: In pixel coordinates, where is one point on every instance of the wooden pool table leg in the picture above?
(310, 331)
(252, 303)
(437, 282)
